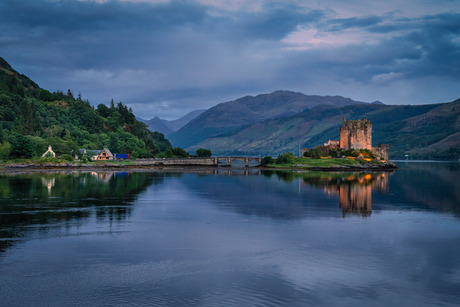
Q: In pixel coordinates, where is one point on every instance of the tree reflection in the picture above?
(67, 198)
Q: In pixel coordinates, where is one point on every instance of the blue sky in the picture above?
(166, 57)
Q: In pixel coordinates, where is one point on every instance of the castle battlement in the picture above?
(356, 134)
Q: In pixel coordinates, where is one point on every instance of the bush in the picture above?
(5, 150)
(22, 147)
(180, 152)
(333, 153)
(203, 153)
(168, 153)
(267, 160)
(313, 153)
(286, 158)
(67, 157)
(45, 95)
(351, 152)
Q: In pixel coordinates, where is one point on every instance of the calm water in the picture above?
(229, 238)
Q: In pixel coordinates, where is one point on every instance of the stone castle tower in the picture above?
(356, 134)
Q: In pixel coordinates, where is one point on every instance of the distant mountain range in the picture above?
(272, 123)
(288, 121)
(169, 126)
(227, 118)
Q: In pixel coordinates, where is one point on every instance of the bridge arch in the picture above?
(247, 161)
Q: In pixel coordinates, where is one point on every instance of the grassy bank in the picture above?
(60, 161)
(326, 163)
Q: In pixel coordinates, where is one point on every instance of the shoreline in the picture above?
(37, 167)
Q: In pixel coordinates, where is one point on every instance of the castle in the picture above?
(356, 134)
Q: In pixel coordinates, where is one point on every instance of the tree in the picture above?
(168, 153)
(70, 94)
(103, 110)
(333, 153)
(45, 95)
(114, 144)
(286, 158)
(5, 150)
(314, 153)
(203, 153)
(22, 147)
(267, 160)
(180, 152)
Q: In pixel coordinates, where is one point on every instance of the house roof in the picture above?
(90, 151)
(108, 152)
(95, 152)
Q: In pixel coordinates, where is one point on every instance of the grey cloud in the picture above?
(427, 50)
(178, 55)
(275, 24)
(353, 22)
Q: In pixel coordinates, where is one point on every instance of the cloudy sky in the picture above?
(168, 57)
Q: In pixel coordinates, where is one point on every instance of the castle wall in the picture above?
(383, 150)
(356, 134)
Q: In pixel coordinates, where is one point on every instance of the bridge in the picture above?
(245, 160)
(211, 161)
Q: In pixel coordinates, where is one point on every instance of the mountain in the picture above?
(422, 131)
(169, 126)
(229, 117)
(157, 124)
(12, 82)
(31, 118)
(175, 125)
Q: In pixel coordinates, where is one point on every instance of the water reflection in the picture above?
(433, 186)
(65, 199)
(217, 237)
(354, 189)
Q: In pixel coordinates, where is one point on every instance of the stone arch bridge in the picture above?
(245, 160)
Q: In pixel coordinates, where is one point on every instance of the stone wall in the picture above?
(383, 150)
(356, 134)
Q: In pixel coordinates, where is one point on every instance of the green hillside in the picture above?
(422, 132)
(229, 117)
(32, 118)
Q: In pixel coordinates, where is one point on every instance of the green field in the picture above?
(328, 162)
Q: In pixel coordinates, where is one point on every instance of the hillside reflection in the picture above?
(64, 199)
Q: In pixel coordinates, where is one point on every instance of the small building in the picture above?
(49, 152)
(330, 143)
(90, 153)
(105, 155)
(96, 155)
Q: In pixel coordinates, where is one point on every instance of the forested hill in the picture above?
(32, 118)
(419, 131)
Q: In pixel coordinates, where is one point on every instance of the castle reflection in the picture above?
(354, 190)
